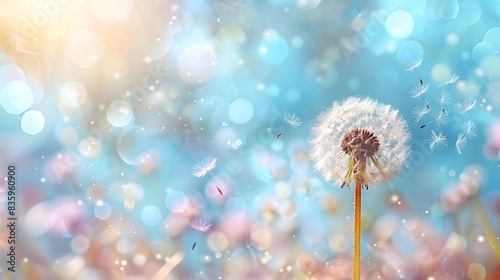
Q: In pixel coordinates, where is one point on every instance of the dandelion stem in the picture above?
(356, 265)
(483, 218)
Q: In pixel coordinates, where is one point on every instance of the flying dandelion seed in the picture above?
(418, 90)
(291, 120)
(469, 129)
(363, 141)
(467, 105)
(414, 64)
(440, 119)
(420, 111)
(461, 143)
(453, 79)
(437, 141)
(202, 167)
(443, 98)
(199, 226)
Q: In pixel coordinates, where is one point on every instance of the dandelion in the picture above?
(418, 90)
(291, 120)
(420, 111)
(437, 141)
(460, 143)
(199, 226)
(469, 129)
(363, 141)
(202, 167)
(453, 79)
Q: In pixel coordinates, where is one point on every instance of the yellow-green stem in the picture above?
(486, 226)
(356, 263)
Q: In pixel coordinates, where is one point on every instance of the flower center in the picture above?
(360, 144)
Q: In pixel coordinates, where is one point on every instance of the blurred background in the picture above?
(133, 125)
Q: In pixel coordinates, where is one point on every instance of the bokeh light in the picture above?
(32, 122)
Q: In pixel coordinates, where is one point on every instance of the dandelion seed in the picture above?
(359, 140)
(219, 190)
(291, 120)
(420, 111)
(202, 167)
(414, 64)
(461, 143)
(452, 80)
(469, 129)
(199, 226)
(413, 67)
(440, 119)
(443, 98)
(467, 105)
(437, 141)
(367, 137)
(418, 90)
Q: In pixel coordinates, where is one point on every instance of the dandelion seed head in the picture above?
(200, 225)
(202, 167)
(292, 119)
(367, 138)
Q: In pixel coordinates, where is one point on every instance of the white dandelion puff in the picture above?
(418, 90)
(291, 120)
(202, 167)
(461, 142)
(437, 141)
(420, 111)
(359, 139)
(469, 129)
(453, 79)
